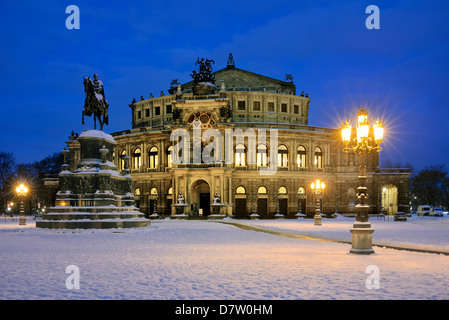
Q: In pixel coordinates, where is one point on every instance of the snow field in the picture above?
(199, 260)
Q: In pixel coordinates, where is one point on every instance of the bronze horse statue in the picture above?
(95, 102)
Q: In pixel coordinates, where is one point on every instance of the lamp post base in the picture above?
(362, 238)
(317, 219)
(22, 220)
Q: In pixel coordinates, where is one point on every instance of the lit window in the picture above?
(169, 157)
(301, 190)
(137, 158)
(153, 192)
(122, 161)
(262, 156)
(240, 190)
(282, 190)
(301, 157)
(318, 159)
(137, 192)
(262, 190)
(153, 158)
(282, 156)
(240, 155)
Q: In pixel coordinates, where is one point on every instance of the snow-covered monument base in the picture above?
(95, 194)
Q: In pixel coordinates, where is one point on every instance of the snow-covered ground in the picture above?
(196, 260)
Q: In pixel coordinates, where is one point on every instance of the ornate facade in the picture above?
(233, 99)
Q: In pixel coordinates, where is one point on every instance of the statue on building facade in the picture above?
(231, 63)
(205, 71)
(95, 102)
(173, 86)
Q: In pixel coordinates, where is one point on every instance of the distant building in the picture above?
(239, 99)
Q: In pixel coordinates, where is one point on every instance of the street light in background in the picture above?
(9, 208)
(317, 188)
(362, 143)
(22, 191)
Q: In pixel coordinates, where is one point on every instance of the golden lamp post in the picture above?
(362, 143)
(22, 191)
(317, 187)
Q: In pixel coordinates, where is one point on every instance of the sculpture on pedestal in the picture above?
(95, 102)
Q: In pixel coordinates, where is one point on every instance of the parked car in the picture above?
(438, 212)
(423, 210)
(400, 216)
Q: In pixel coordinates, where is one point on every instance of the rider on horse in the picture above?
(95, 102)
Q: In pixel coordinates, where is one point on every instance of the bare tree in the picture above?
(7, 164)
(430, 186)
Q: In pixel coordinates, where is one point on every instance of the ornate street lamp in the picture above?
(317, 188)
(22, 191)
(362, 143)
(154, 209)
(336, 196)
(300, 197)
(254, 215)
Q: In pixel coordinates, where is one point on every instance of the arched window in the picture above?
(318, 159)
(282, 156)
(282, 190)
(301, 190)
(153, 158)
(169, 157)
(240, 190)
(262, 156)
(153, 192)
(122, 160)
(137, 192)
(301, 157)
(170, 191)
(240, 159)
(262, 190)
(137, 158)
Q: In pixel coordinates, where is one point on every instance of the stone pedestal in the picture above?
(95, 194)
(180, 207)
(216, 209)
(362, 235)
(22, 220)
(317, 219)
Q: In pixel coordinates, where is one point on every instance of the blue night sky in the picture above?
(400, 72)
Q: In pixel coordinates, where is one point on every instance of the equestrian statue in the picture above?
(95, 102)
